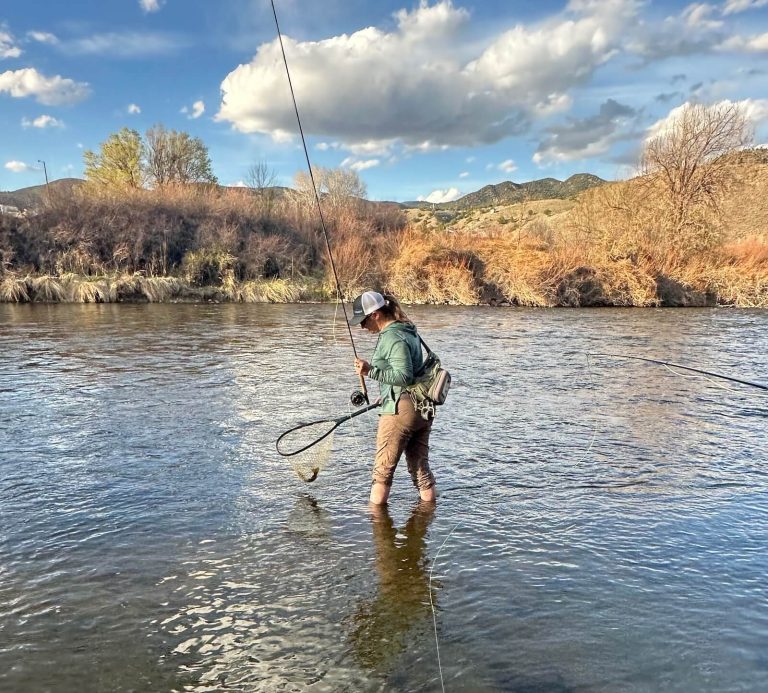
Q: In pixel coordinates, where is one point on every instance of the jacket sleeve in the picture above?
(399, 370)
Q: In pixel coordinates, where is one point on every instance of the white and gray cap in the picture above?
(364, 305)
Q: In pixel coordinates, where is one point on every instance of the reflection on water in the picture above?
(613, 516)
(381, 627)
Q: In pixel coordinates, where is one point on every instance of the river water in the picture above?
(602, 524)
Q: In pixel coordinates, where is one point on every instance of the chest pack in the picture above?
(431, 386)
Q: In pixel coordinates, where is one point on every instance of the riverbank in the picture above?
(620, 285)
(614, 245)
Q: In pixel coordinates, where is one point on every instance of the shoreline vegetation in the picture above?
(691, 230)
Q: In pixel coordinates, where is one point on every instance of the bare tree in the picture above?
(689, 158)
(261, 179)
(339, 188)
(176, 157)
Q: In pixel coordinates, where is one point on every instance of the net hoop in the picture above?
(280, 444)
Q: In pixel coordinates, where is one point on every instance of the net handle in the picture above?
(336, 423)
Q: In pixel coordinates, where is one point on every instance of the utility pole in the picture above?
(45, 171)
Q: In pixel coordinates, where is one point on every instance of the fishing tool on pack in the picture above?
(308, 445)
(356, 398)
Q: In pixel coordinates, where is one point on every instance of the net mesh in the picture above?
(308, 463)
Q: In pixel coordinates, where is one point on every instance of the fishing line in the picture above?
(686, 368)
(432, 604)
(695, 373)
(594, 431)
(696, 376)
(317, 195)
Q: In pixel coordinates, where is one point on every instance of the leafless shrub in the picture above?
(689, 158)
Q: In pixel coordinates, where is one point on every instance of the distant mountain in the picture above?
(508, 193)
(505, 193)
(32, 198)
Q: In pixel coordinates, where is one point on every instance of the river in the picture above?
(602, 524)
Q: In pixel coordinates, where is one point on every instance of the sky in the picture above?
(425, 100)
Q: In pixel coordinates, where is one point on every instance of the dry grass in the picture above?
(159, 289)
(46, 289)
(13, 289)
(80, 289)
(429, 268)
(274, 291)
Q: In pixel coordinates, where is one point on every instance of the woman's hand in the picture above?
(362, 367)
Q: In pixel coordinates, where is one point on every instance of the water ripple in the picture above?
(607, 520)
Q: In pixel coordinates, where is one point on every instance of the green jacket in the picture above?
(396, 362)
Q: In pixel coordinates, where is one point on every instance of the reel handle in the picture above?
(364, 389)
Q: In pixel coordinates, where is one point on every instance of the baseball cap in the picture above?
(364, 305)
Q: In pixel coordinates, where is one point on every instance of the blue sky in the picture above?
(425, 100)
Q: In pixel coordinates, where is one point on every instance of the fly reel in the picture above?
(357, 398)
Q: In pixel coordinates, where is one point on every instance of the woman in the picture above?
(396, 362)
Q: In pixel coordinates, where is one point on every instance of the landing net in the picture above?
(308, 447)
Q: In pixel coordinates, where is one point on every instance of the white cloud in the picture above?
(282, 136)
(427, 146)
(434, 85)
(18, 166)
(507, 166)
(128, 44)
(755, 111)
(151, 5)
(372, 148)
(134, 109)
(8, 47)
(553, 103)
(381, 148)
(197, 109)
(438, 196)
(697, 16)
(358, 165)
(464, 174)
(758, 43)
(752, 44)
(238, 184)
(691, 32)
(42, 37)
(49, 91)
(42, 122)
(736, 6)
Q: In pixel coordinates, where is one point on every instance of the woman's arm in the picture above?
(399, 369)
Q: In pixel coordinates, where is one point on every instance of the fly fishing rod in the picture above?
(355, 395)
(686, 368)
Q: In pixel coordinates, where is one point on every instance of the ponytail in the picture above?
(394, 310)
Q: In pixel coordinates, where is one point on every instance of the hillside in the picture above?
(31, 198)
(509, 193)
